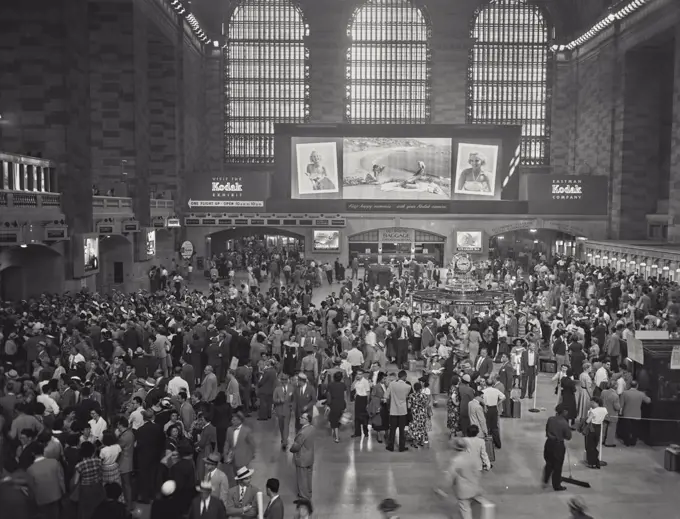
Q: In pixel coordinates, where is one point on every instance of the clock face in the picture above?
(463, 264)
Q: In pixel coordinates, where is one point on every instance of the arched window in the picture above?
(267, 76)
(509, 80)
(388, 64)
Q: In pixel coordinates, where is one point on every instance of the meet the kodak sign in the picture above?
(567, 194)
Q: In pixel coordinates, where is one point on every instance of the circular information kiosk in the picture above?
(461, 293)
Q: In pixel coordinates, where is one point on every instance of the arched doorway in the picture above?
(398, 244)
(116, 261)
(233, 239)
(533, 245)
(29, 271)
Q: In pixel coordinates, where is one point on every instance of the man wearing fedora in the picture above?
(217, 478)
(303, 457)
(283, 407)
(242, 498)
(205, 506)
(387, 507)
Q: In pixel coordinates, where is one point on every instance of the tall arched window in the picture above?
(388, 64)
(509, 80)
(267, 76)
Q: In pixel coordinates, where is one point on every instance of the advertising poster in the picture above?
(567, 194)
(151, 244)
(476, 170)
(675, 357)
(636, 352)
(244, 192)
(389, 168)
(317, 168)
(326, 241)
(469, 241)
(90, 254)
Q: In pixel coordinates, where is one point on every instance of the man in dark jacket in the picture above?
(265, 391)
(149, 450)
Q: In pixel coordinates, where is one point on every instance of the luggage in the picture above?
(547, 365)
(483, 508)
(411, 365)
(490, 449)
(516, 408)
(671, 460)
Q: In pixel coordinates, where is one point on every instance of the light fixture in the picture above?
(532, 230)
(597, 256)
(590, 254)
(216, 43)
(666, 267)
(501, 237)
(632, 262)
(677, 270)
(605, 258)
(655, 266)
(535, 241)
(643, 264)
(23, 245)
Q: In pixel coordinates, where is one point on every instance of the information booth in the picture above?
(662, 384)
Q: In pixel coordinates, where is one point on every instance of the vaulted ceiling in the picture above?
(570, 17)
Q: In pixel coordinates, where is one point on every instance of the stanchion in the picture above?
(535, 409)
(599, 447)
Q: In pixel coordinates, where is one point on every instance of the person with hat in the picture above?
(217, 478)
(465, 394)
(557, 432)
(283, 407)
(164, 506)
(205, 506)
(303, 456)
(465, 477)
(303, 508)
(183, 473)
(239, 445)
(387, 507)
(242, 498)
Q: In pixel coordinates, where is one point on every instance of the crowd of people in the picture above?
(110, 401)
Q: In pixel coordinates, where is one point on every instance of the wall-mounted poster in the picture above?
(326, 241)
(469, 241)
(317, 168)
(91, 254)
(476, 170)
(396, 168)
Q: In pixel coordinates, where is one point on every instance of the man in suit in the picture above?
(483, 364)
(283, 407)
(505, 375)
(304, 399)
(205, 506)
(274, 509)
(466, 394)
(47, 483)
(631, 412)
(239, 446)
(188, 373)
(150, 448)
(217, 478)
(529, 367)
(209, 386)
(224, 353)
(397, 393)
(466, 477)
(402, 338)
(265, 391)
(126, 440)
(242, 498)
(612, 402)
(303, 456)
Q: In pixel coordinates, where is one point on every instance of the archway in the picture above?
(397, 243)
(116, 265)
(29, 271)
(232, 239)
(532, 245)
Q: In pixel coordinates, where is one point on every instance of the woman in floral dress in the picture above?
(418, 403)
(453, 408)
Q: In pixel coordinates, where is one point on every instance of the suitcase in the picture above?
(516, 408)
(547, 365)
(483, 508)
(490, 449)
(412, 365)
(671, 460)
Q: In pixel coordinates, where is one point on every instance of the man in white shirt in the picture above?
(362, 389)
(177, 383)
(51, 406)
(136, 419)
(602, 374)
(355, 358)
(97, 425)
(492, 399)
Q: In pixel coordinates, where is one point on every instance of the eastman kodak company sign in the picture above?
(567, 194)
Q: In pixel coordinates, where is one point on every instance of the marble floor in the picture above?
(352, 477)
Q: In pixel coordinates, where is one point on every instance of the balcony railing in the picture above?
(156, 203)
(111, 202)
(23, 199)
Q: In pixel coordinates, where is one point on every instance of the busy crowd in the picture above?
(109, 401)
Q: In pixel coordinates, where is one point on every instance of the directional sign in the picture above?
(225, 203)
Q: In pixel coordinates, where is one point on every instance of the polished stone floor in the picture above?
(352, 477)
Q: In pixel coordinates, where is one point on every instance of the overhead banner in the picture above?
(244, 192)
(567, 194)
